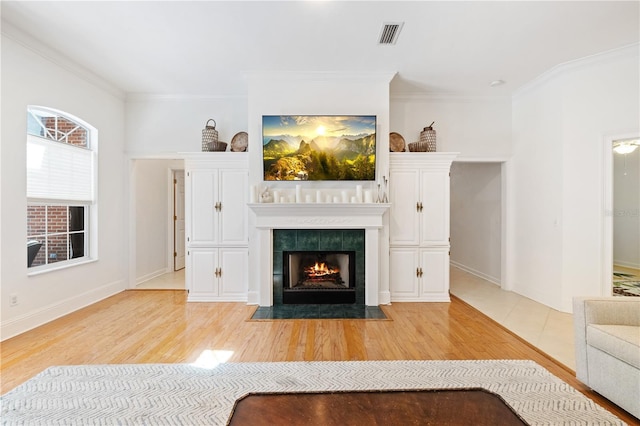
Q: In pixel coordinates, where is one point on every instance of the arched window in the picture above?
(61, 185)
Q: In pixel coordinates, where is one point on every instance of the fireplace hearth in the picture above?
(319, 277)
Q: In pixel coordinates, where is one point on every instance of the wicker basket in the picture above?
(421, 146)
(428, 136)
(216, 146)
(210, 136)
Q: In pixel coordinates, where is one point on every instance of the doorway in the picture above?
(157, 224)
(477, 219)
(621, 215)
(178, 220)
(626, 217)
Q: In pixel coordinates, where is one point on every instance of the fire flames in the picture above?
(320, 269)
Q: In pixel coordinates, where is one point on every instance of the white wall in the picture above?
(476, 127)
(157, 128)
(556, 174)
(29, 79)
(535, 196)
(476, 219)
(154, 208)
(170, 124)
(600, 99)
(626, 209)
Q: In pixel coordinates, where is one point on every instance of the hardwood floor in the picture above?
(160, 327)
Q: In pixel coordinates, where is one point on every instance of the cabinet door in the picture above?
(202, 195)
(435, 208)
(434, 284)
(233, 201)
(403, 279)
(404, 218)
(234, 266)
(202, 280)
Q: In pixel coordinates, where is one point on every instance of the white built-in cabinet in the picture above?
(216, 186)
(419, 226)
(218, 274)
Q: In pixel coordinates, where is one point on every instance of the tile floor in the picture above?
(168, 281)
(549, 330)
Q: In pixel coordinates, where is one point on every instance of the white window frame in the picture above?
(89, 202)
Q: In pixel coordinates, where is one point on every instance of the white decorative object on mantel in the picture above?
(266, 196)
(302, 195)
(320, 216)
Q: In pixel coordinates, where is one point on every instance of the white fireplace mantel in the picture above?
(367, 216)
(314, 215)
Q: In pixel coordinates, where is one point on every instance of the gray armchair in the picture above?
(607, 344)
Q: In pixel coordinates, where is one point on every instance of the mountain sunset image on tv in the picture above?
(319, 147)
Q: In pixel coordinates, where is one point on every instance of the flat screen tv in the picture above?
(319, 147)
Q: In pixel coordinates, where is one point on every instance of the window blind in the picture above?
(59, 171)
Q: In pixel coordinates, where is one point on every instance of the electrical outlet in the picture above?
(14, 299)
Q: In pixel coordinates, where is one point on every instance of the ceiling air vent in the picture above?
(389, 33)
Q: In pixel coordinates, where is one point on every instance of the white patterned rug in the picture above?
(181, 394)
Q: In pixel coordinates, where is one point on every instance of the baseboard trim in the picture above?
(436, 298)
(625, 264)
(201, 298)
(152, 275)
(38, 317)
(477, 273)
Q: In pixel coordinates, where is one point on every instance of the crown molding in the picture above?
(143, 97)
(380, 76)
(445, 96)
(57, 58)
(629, 51)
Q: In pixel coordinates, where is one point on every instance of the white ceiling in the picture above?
(205, 47)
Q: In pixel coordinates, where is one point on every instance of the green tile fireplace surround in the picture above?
(318, 240)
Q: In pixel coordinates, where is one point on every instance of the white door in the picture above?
(404, 215)
(233, 206)
(404, 276)
(202, 198)
(203, 277)
(435, 207)
(435, 274)
(178, 220)
(234, 264)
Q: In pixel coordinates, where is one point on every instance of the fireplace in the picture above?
(284, 227)
(319, 277)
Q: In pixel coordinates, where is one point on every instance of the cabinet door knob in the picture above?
(418, 206)
(418, 272)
